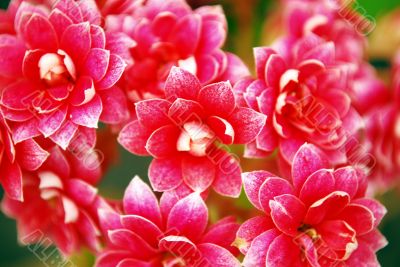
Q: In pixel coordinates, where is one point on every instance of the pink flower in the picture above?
(60, 205)
(383, 135)
(181, 134)
(62, 71)
(150, 235)
(301, 90)
(319, 218)
(170, 33)
(27, 155)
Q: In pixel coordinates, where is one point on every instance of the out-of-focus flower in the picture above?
(302, 91)
(320, 218)
(62, 71)
(170, 33)
(27, 155)
(383, 135)
(185, 132)
(151, 235)
(60, 205)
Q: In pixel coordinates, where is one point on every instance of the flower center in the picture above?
(195, 138)
(308, 230)
(56, 68)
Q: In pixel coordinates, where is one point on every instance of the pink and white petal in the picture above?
(252, 182)
(247, 124)
(198, 172)
(373, 205)
(251, 151)
(183, 110)
(71, 9)
(288, 148)
(125, 239)
(180, 247)
(318, 185)
(65, 134)
(261, 55)
(88, 115)
(189, 213)
(109, 219)
(250, 229)
(271, 188)
(140, 200)
(83, 91)
(50, 123)
(16, 115)
(213, 34)
(162, 142)
(181, 84)
(11, 180)
(30, 155)
(228, 180)
(360, 218)
(309, 248)
(364, 256)
(374, 239)
(133, 137)
(283, 252)
(170, 198)
(223, 235)
(346, 180)
(189, 25)
(81, 192)
(133, 262)
(306, 161)
(111, 258)
(309, 68)
(19, 95)
(24, 130)
(117, 42)
(165, 174)
(143, 227)
(217, 256)
(257, 253)
(98, 37)
(287, 212)
(40, 34)
(117, 106)
(90, 12)
(222, 128)
(267, 140)
(266, 101)
(327, 207)
(153, 113)
(338, 236)
(253, 92)
(217, 99)
(116, 68)
(60, 22)
(76, 42)
(274, 69)
(96, 63)
(206, 68)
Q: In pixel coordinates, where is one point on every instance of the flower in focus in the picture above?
(151, 235)
(301, 90)
(60, 204)
(62, 71)
(184, 133)
(170, 33)
(319, 218)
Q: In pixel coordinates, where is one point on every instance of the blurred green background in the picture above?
(246, 30)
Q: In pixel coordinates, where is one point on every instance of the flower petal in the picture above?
(133, 137)
(140, 200)
(252, 182)
(217, 99)
(153, 113)
(189, 213)
(318, 185)
(217, 256)
(247, 124)
(198, 172)
(273, 187)
(181, 84)
(88, 114)
(165, 174)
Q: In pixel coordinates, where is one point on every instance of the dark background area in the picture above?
(245, 19)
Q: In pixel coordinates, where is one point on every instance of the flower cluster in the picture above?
(77, 77)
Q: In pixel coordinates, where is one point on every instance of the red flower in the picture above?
(319, 218)
(27, 155)
(181, 134)
(60, 205)
(149, 235)
(62, 72)
(301, 90)
(170, 33)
